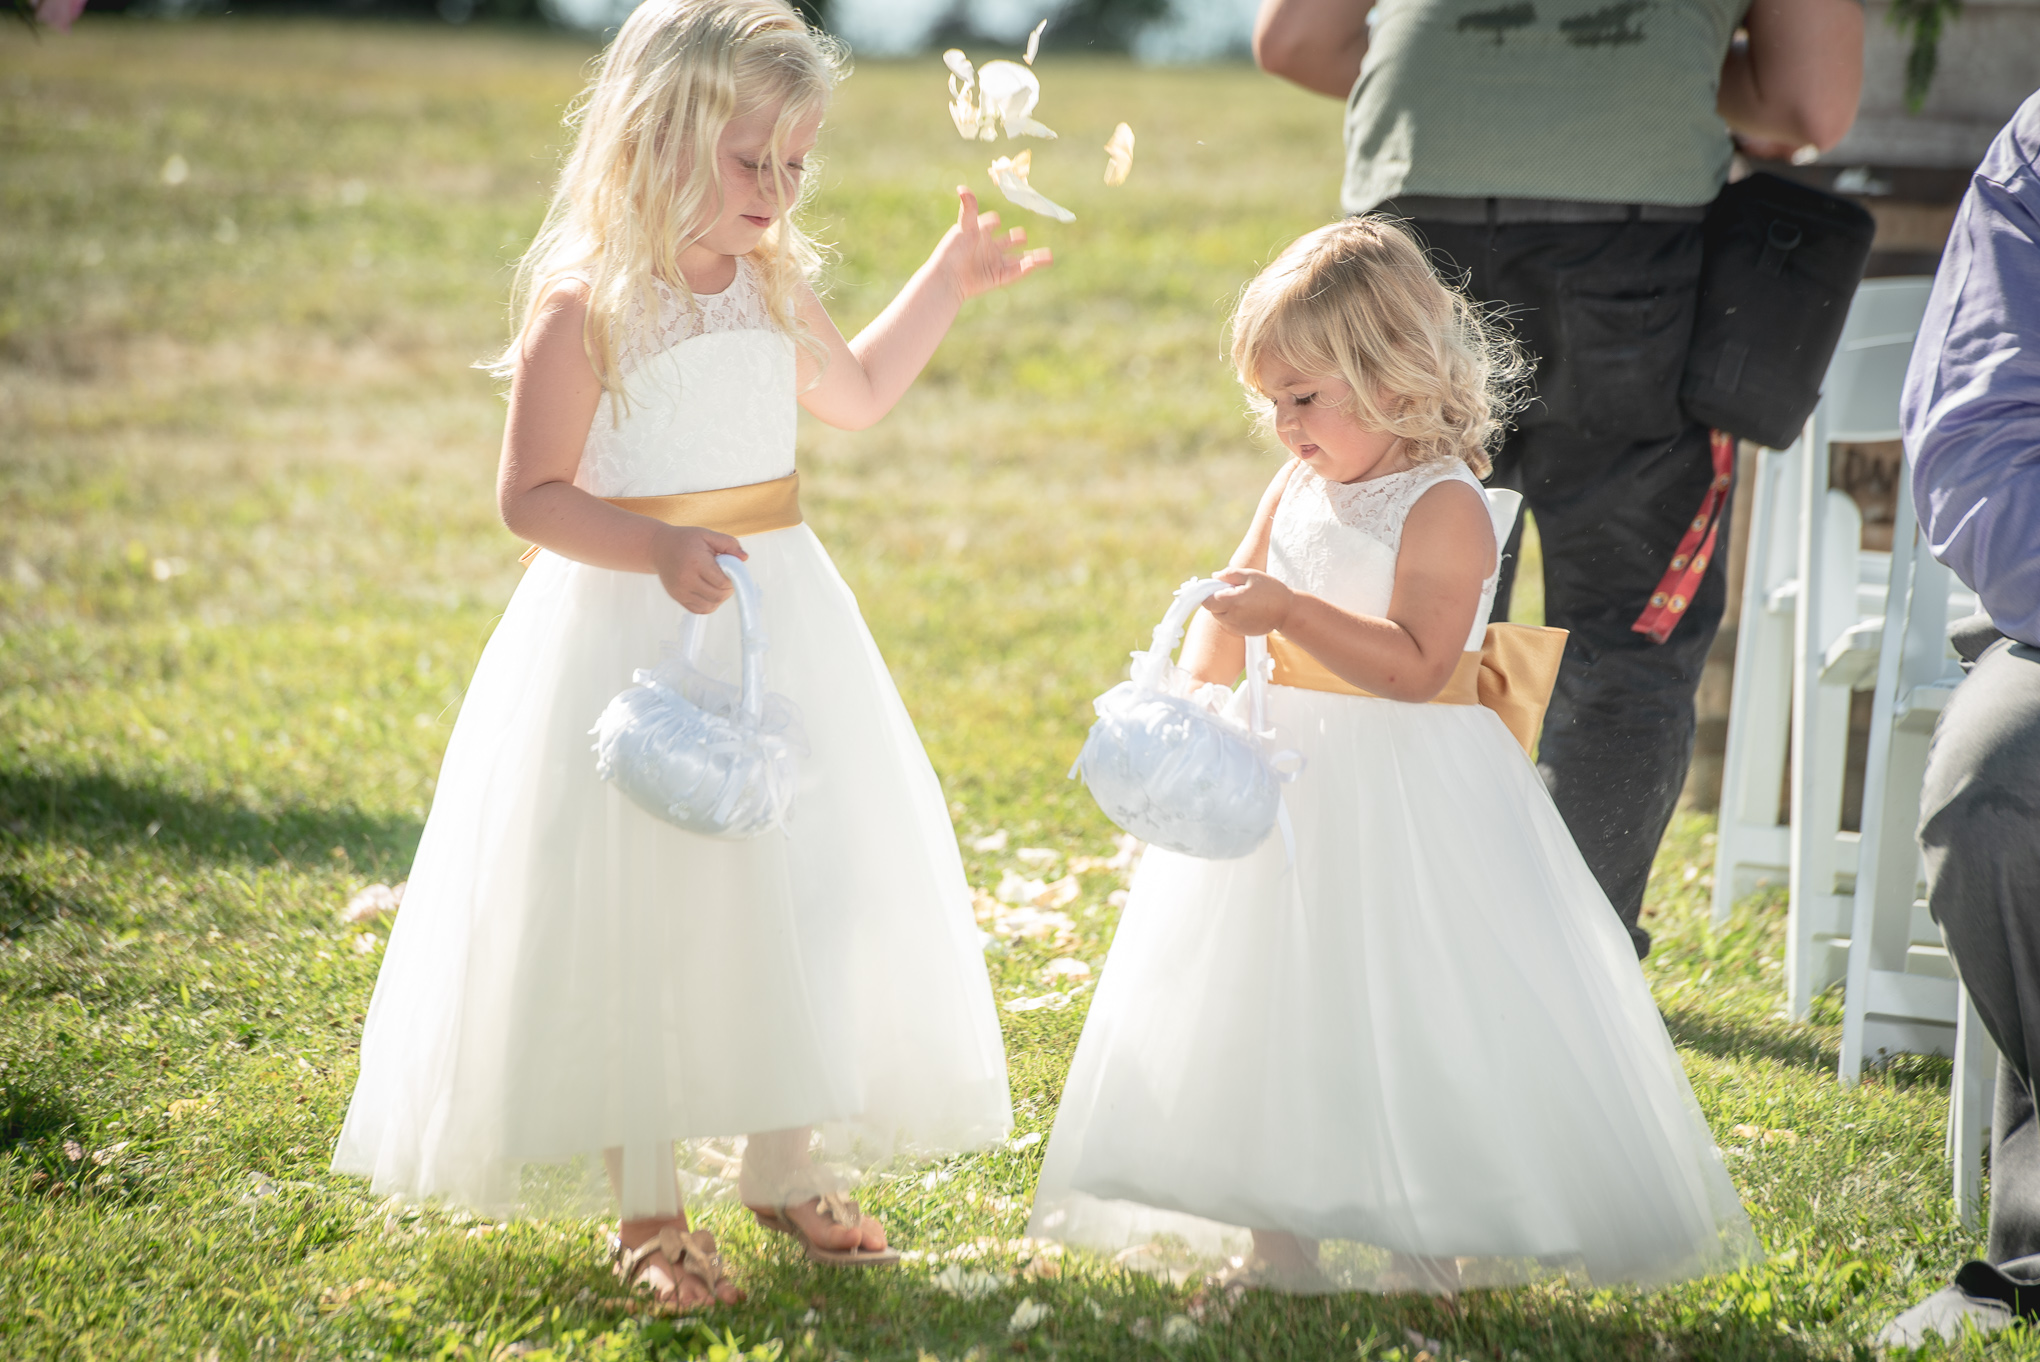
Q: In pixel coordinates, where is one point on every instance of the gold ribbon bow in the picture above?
(1512, 674)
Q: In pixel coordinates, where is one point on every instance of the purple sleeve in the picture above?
(1971, 406)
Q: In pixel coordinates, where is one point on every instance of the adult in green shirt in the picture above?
(1559, 155)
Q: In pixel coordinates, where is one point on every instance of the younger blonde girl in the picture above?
(1416, 1053)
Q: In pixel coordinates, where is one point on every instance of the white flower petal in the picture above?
(1034, 42)
(1010, 91)
(960, 65)
(1010, 175)
(1029, 1313)
(964, 113)
(1119, 155)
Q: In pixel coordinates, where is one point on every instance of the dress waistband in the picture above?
(752, 508)
(1498, 212)
(1512, 674)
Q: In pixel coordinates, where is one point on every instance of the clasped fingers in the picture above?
(1256, 604)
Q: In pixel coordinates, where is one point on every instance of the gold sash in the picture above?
(751, 509)
(1512, 674)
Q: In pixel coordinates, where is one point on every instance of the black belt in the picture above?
(1497, 212)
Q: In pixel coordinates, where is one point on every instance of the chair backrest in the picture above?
(1918, 605)
(1859, 397)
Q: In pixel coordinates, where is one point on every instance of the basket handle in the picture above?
(751, 616)
(1168, 636)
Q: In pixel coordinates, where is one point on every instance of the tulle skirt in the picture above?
(1424, 1040)
(570, 975)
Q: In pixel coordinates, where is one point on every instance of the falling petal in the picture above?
(1010, 175)
(1034, 41)
(963, 111)
(1009, 91)
(1119, 155)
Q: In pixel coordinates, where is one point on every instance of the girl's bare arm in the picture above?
(1448, 550)
(865, 377)
(554, 397)
(1209, 652)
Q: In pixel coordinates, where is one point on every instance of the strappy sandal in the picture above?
(692, 1254)
(844, 1211)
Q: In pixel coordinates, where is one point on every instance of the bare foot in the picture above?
(1285, 1257)
(684, 1272)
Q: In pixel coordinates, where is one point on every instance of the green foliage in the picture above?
(1922, 21)
(248, 556)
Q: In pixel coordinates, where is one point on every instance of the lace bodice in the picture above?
(711, 399)
(1340, 540)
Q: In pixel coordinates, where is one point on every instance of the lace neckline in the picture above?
(738, 306)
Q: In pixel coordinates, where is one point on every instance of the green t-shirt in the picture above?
(1541, 99)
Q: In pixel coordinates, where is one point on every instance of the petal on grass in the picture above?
(1119, 155)
(1026, 1315)
(1010, 175)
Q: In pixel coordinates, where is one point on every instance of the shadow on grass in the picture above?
(104, 814)
(33, 1112)
(1112, 1316)
(1730, 1038)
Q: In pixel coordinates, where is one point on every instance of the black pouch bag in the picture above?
(1779, 265)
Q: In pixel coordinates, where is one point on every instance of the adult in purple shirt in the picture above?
(1971, 412)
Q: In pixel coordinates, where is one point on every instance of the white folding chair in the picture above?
(1902, 995)
(1752, 848)
(1800, 652)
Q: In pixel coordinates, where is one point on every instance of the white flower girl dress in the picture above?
(570, 974)
(1425, 1039)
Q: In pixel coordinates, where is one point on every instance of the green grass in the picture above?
(248, 556)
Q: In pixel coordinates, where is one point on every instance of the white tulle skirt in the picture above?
(570, 975)
(1426, 1040)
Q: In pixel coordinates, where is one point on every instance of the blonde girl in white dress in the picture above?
(573, 984)
(1417, 1053)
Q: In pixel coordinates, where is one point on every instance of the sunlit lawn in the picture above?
(248, 555)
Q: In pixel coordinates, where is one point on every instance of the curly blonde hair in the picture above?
(1358, 300)
(642, 184)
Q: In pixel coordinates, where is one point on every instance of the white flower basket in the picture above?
(698, 752)
(1166, 764)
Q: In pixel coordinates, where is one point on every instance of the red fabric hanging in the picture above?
(1668, 603)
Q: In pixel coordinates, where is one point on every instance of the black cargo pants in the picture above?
(1614, 473)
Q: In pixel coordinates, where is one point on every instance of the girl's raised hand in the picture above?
(977, 257)
(684, 557)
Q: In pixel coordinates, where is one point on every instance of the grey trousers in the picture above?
(1980, 833)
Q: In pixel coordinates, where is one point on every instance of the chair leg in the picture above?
(1969, 1106)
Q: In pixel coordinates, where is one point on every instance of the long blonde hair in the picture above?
(642, 182)
(1357, 299)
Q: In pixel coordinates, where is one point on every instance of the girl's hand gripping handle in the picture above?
(685, 556)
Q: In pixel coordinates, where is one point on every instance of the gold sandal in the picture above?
(691, 1254)
(844, 1211)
